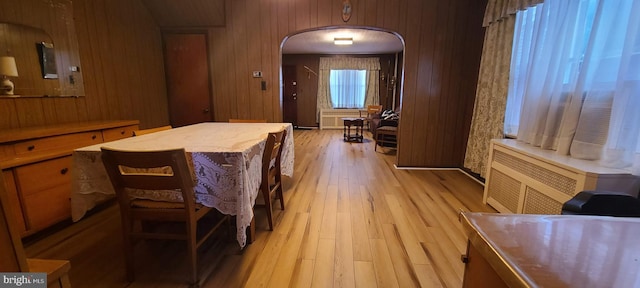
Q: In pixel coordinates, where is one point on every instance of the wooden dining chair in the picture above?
(247, 120)
(151, 130)
(14, 258)
(368, 114)
(271, 172)
(159, 171)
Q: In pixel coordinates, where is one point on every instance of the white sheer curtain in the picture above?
(609, 125)
(348, 88)
(520, 58)
(578, 83)
(371, 65)
(548, 71)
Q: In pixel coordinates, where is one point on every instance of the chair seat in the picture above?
(388, 129)
(145, 203)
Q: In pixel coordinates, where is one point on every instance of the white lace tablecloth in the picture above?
(226, 157)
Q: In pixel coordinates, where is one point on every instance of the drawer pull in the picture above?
(31, 147)
(93, 137)
(122, 132)
(64, 171)
(464, 258)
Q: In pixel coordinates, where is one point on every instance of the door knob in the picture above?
(205, 110)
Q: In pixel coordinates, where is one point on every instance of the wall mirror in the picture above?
(47, 66)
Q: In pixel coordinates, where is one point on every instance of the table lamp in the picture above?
(7, 69)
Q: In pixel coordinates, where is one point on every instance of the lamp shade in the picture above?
(8, 66)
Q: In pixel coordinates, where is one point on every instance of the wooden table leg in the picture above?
(344, 131)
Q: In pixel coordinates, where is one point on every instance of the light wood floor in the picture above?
(351, 220)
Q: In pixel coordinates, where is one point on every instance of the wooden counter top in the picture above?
(558, 250)
(11, 135)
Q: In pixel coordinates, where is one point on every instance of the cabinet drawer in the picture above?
(14, 201)
(62, 142)
(39, 176)
(118, 133)
(46, 190)
(6, 152)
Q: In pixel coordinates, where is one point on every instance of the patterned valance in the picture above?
(500, 9)
(349, 63)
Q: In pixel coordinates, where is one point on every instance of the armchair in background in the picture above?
(384, 128)
(383, 118)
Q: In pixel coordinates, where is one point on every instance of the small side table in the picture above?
(358, 124)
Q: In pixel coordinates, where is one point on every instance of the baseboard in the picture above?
(441, 169)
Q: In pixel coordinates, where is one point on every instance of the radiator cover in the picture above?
(332, 118)
(525, 179)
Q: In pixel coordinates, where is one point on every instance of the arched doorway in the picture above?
(300, 54)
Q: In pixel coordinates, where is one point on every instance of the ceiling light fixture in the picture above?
(342, 41)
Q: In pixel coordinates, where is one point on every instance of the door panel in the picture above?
(290, 95)
(188, 86)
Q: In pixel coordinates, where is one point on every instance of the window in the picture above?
(348, 88)
(574, 80)
(347, 82)
(536, 32)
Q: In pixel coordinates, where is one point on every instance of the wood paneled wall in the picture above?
(308, 83)
(187, 13)
(120, 57)
(443, 45)
(121, 50)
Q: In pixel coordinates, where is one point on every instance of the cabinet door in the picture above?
(46, 191)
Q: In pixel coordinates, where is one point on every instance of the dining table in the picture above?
(226, 162)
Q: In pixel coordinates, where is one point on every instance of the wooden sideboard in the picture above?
(530, 180)
(36, 165)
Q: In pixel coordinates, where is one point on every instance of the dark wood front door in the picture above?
(290, 96)
(187, 70)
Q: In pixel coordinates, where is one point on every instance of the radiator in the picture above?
(529, 180)
(332, 118)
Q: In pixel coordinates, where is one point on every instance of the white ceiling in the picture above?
(364, 42)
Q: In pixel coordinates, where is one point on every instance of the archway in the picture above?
(303, 49)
